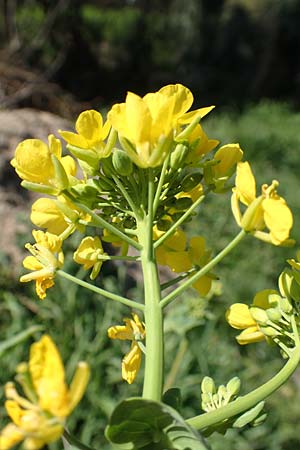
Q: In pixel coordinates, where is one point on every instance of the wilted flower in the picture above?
(134, 331)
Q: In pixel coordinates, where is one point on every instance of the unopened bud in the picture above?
(190, 181)
(259, 315)
(208, 385)
(178, 156)
(183, 203)
(285, 305)
(121, 162)
(269, 331)
(274, 314)
(233, 386)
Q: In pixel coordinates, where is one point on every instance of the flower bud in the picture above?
(121, 162)
(190, 181)
(208, 385)
(178, 156)
(285, 305)
(274, 314)
(259, 315)
(269, 331)
(183, 203)
(233, 386)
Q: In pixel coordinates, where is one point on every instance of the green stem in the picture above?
(204, 269)
(103, 292)
(173, 228)
(153, 378)
(118, 258)
(104, 224)
(176, 280)
(248, 401)
(160, 184)
(74, 441)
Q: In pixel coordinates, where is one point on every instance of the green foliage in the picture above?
(151, 425)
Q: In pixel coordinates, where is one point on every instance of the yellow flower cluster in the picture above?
(40, 418)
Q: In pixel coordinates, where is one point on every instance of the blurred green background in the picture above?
(242, 56)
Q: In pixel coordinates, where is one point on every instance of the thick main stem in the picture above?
(153, 378)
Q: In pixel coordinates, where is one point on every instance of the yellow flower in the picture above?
(91, 132)
(199, 257)
(33, 161)
(41, 418)
(200, 145)
(172, 252)
(227, 156)
(57, 215)
(90, 254)
(239, 317)
(134, 331)
(148, 122)
(46, 258)
(266, 211)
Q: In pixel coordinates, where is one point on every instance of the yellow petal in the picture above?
(245, 183)
(69, 165)
(183, 98)
(74, 139)
(122, 332)
(41, 285)
(250, 335)
(178, 261)
(32, 161)
(48, 377)
(190, 116)
(203, 285)
(79, 383)
(46, 214)
(239, 317)
(89, 125)
(131, 363)
(278, 219)
(138, 119)
(261, 299)
(10, 436)
(227, 156)
(197, 249)
(54, 146)
(31, 263)
(161, 108)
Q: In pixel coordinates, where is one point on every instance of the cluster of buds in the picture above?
(213, 398)
(270, 315)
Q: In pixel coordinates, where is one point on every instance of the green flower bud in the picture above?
(259, 315)
(285, 305)
(107, 167)
(208, 385)
(178, 156)
(274, 299)
(233, 386)
(183, 203)
(164, 224)
(269, 331)
(190, 181)
(288, 286)
(274, 314)
(222, 392)
(121, 162)
(206, 398)
(61, 179)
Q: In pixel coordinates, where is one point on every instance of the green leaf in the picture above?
(172, 397)
(150, 425)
